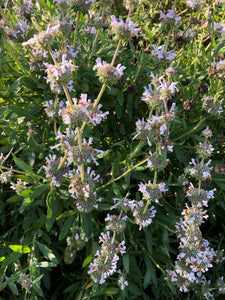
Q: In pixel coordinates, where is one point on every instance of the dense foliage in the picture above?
(112, 149)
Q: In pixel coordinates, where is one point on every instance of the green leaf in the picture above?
(15, 199)
(52, 204)
(37, 279)
(39, 223)
(134, 289)
(14, 288)
(116, 165)
(87, 260)
(147, 279)
(120, 98)
(47, 252)
(220, 184)
(22, 165)
(11, 258)
(45, 264)
(66, 227)
(126, 263)
(148, 236)
(20, 248)
(87, 225)
(46, 5)
(65, 214)
(39, 190)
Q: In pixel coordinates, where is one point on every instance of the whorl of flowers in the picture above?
(158, 90)
(199, 170)
(124, 30)
(75, 242)
(19, 186)
(37, 60)
(83, 110)
(56, 175)
(77, 154)
(219, 68)
(81, 5)
(220, 27)
(131, 4)
(42, 40)
(108, 73)
(212, 105)
(62, 4)
(143, 217)
(162, 53)
(17, 32)
(115, 223)
(151, 129)
(152, 191)
(194, 3)
(24, 8)
(105, 262)
(60, 73)
(53, 108)
(170, 18)
(83, 190)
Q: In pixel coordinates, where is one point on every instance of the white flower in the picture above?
(124, 29)
(194, 3)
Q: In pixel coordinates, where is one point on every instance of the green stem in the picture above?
(190, 131)
(76, 29)
(218, 91)
(62, 162)
(155, 177)
(153, 260)
(99, 95)
(80, 148)
(11, 52)
(5, 18)
(116, 52)
(136, 150)
(55, 127)
(20, 172)
(146, 206)
(55, 123)
(169, 229)
(68, 95)
(95, 41)
(121, 176)
(52, 56)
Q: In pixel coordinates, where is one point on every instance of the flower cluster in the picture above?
(152, 191)
(196, 256)
(60, 73)
(19, 186)
(81, 5)
(212, 105)
(42, 40)
(83, 190)
(158, 90)
(56, 174)
(52, 108)
(108, 73)
(170, 17)
(75, 242)
(194, 3)
(16, 33)
(131, 4)
(163, 53)
(219, 68)
(105, 262)
(83, 110)
(124, 30)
